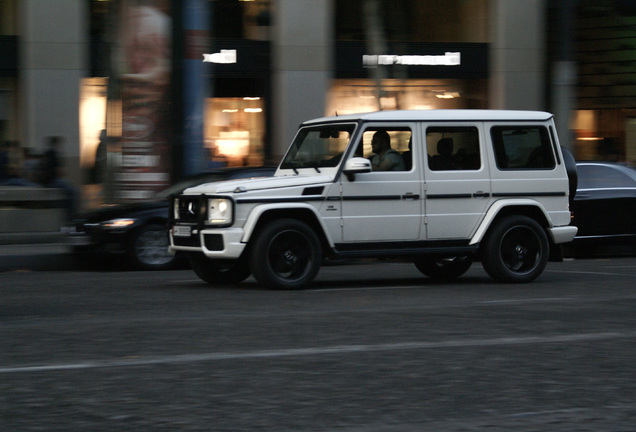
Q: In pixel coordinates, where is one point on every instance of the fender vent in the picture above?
(315, 190)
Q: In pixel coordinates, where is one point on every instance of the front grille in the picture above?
(191, 208)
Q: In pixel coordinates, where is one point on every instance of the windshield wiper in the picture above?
(291, 166)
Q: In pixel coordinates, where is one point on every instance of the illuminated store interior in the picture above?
(349, 96)
(234, 131)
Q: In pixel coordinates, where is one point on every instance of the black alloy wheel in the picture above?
(515, 250)
(285, 254)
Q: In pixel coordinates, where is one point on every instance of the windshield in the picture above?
(318, 146)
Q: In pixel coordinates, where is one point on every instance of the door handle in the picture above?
(410, 196)
(481, 194)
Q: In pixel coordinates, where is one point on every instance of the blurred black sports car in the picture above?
(138, 230)
(604, 207)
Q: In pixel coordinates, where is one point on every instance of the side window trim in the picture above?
(544, 152)
(554, 145)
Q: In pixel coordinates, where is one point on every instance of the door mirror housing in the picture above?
(356, 165)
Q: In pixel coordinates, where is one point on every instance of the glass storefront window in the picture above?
(234, 131)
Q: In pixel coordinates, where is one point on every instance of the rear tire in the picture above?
(443, 268)
(218, 272)
(515, 250)
(285, 254)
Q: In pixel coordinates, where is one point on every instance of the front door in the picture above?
(384, 205)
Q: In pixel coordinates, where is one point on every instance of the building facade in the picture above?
(144, 92)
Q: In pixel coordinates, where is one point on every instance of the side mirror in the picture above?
(356, 165)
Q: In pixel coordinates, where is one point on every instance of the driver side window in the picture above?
(388, 148)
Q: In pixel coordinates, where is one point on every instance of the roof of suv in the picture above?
(440, 115)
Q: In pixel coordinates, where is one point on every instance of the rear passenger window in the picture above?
(522, 147)
(453, 148)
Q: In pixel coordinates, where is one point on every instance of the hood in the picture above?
(256, 184)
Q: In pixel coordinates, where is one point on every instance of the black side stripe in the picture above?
(372, 198)
(278, 200)
(456, 196)
(395, 197)
(448, 196)
(329, 198)
(527, 194)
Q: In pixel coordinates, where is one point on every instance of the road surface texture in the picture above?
(372, 347)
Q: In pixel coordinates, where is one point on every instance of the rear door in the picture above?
(458, 189)
(525, 165)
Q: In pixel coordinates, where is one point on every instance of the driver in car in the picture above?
(385, 158)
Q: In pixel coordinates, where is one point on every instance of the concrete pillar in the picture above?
(302, 48)
(517, 51)
(564, 75)
(52, 61)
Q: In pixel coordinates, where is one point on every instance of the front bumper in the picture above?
(222, 243)
(91, 239)
(76, 238)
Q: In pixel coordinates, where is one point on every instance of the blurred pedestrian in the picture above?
(17, 172)
(50, 174)
(50, 163)
(4, 162)
(98, 172)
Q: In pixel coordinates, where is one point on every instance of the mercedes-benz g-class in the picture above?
(440, 188)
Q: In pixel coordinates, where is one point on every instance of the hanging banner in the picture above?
(143, 64)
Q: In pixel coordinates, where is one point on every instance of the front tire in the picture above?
(515, 250)
(218, 272)
(443, 268)
(285, 254)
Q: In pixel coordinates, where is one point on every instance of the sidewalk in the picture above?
(31, 238)
(36, 256)
(22, 250)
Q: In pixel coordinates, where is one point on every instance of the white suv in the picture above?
(471, 184)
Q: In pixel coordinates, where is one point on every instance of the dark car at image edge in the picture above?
(137, 232)
(604, 209)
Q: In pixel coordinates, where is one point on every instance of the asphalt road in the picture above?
(366, 348)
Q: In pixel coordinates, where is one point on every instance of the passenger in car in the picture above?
(407, 156)
(444, 159)
(385, 158)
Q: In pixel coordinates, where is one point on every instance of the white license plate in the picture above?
(181, 231)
